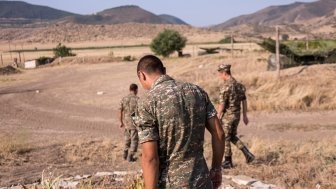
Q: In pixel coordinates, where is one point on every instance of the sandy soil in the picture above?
(72, 130)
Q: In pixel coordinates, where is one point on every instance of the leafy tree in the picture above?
(167, 42)
(62, 51)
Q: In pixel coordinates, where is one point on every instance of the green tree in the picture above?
(62, 51)
(168, 41)
(227, 40)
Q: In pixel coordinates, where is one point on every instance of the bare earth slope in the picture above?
(296, 13)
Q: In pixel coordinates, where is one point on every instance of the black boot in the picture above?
(227, 164)
(125, 154)
(131, 158)
(248, 155)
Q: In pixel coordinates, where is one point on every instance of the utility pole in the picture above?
(277, 51)
(24, 59)
(231, 44)
(307, 42)
(10, 50)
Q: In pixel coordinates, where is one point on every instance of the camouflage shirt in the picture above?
(129, 106)
(175, 113)
(231, 95)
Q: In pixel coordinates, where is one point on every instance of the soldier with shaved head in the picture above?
(173, 117)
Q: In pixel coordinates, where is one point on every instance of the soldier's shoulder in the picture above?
(123, 99)
(225, 87)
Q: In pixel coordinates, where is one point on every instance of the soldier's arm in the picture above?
(150, 164)
(148, 137)
(244, 103)
(217, 137)
(245, 118)
(121, 111)
(223, 98)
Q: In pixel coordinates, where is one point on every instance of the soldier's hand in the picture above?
(246, 120)
(216, 177)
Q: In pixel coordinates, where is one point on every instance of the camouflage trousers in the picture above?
(230, 127)
(131, 141)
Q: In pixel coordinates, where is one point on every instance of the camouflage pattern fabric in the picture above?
(129, 105)
(230, 129)
(175, 113)
(131, 141)
(231, 95)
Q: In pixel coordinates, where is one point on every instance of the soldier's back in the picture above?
(129, 105)
(235, 92)
(182, 110)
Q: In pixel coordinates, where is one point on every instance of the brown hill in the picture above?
(135, 33)
(296, 13)
(22, 10)
(120, 15)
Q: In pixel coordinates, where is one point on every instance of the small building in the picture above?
(30, 64)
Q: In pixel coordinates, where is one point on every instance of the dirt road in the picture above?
(63, 119)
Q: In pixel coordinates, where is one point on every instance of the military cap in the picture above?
(224, 67)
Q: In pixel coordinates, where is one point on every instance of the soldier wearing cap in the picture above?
(232, 97)
(128, 107)
(173, 117)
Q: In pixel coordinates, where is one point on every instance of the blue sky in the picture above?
(194, 12)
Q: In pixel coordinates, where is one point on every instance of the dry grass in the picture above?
(300, 88)
(14, 143)
(289, 164)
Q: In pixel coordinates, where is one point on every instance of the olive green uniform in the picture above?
(174, 114)
(231, 96)
(128, 105)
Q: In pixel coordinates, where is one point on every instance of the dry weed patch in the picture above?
(300, 88)
(14, 143)
(290, 164)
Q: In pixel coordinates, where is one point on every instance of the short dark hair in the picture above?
(151, 64)
(133, 87)
(227, 72)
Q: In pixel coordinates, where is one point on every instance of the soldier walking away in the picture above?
(128, 106)
(173, 116)
(232, 96)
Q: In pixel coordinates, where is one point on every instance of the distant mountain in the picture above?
(123, 14)
(296, 13)
(173, 19)
(22, 10)
(18, 12)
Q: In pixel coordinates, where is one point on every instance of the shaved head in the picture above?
(151, 64)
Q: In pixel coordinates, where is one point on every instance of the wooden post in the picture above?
(10, 50)
(24, 59)
(19, 56)
(307, 42)
(1, 59)
(277, 51)
(231, 44)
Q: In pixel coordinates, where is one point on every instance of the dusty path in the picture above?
(67, 120)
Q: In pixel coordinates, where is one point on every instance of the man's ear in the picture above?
(164, 70)
(142, 76)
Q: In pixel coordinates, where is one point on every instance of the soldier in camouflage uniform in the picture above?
(173, 116)
(128, 106)
(232, 96)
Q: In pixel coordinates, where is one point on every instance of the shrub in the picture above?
(128, 58)
(167, 42)
(44, 60)
(62, 51)
(227, 40)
